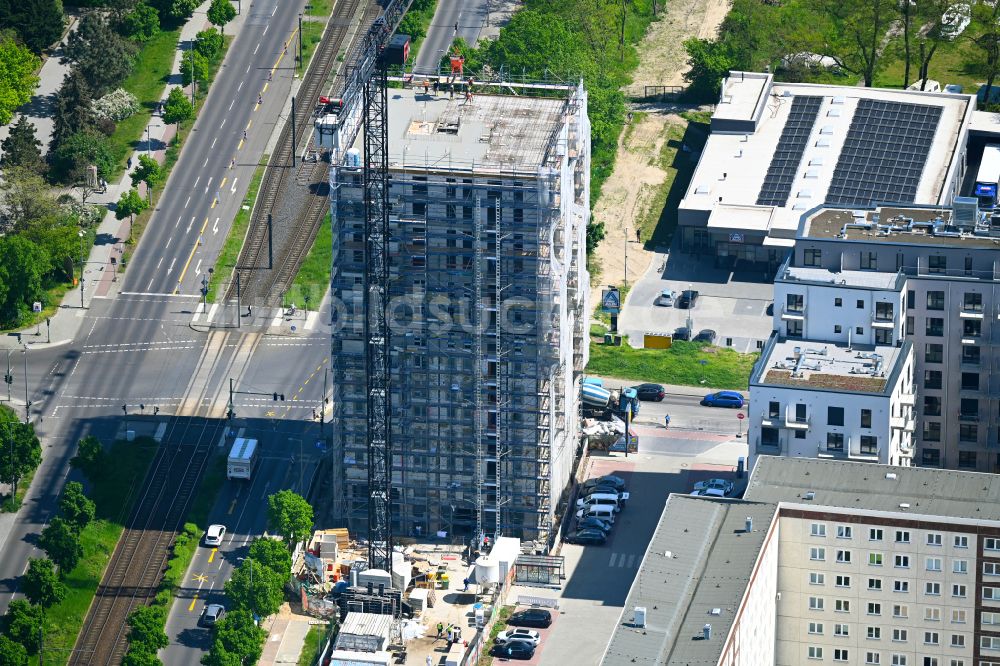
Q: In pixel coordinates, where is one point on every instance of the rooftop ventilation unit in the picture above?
(823, 143)
(833, 113)
(890, 476)
(811, 495)
(639, 616)
(839, 99)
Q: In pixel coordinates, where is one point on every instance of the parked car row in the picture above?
(685, 300)
(599, 501)
(519, 642)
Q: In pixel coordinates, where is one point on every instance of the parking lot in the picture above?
(599, 577)
(734, 305)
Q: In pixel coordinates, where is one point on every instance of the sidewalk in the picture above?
(100, 279)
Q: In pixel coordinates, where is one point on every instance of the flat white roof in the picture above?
(741, 94)
(745, 158)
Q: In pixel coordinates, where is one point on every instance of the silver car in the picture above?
(666, 298)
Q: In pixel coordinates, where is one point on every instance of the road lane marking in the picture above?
(211, 555)
(185, 205)
(172, 261)
(231, 105)
(196, 181)
(266, 27)
(190, 224)
(169, 241)
(194, 249)
(205, 163)
(232, 507)
(240, 147)
(224, 179)
(213, 142)
(257, 48)
(215, 227)
(274, 10)
(194, 600)
(197, 269)
(249, 123)
(248, 69)
(241, 84)
(158, 263)
(150, 285)
(264, 89)
(223, 123)
(178, 223)
(232, 190)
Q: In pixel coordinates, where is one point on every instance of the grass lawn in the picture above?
(312, 33)
(230, 252)
(113, 493)
(149, 77)
(681, 364)
(498, 626)
(314, 275)
(947, 66)
(319, 7)
(310, 650)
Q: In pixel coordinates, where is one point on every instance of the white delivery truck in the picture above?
(242, 459)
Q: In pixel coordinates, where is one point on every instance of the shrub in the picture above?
(117, 105)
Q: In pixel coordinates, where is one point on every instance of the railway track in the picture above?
(279, 173)
(140, 558)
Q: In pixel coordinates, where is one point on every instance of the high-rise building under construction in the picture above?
(489, 205)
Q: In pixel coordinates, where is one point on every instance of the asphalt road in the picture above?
(241, 507)
(468, 15)
(140, 348)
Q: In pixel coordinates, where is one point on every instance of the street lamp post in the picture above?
(81, 234)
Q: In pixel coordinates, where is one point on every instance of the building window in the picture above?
(900, 611)
(933, 352)
(911, 325)
(911, 298)
(845, 532)
(932, 614)
(874, 534)
(958, 590)
(860, 330)
(843, 581)
(869, 444)
(958, 616)
(901, 586)
(932, 379)
(932, 405)
(967, 459)
(902, 536)
(883, 336)
(812, 257)
(899, 660)
(773, 409)
(861, 304)
(837, 328)
(970, 381)
(991, 568)
(968, 409)
(872, 658)
(835, 441)
(794, 302)
(815, 652)
(991, 619)
(935, 300)
(817, 554)
(902, 561)
(869, 261)
(960, 566)
(972, 302)
(930, 638)
(817, 529)
(843, 606)
(815, 603)
(816, 628)
(769, 436)
(958, 640)
(793, 329)
(816, 578)
(874, 608)
(991, 543)
(961, 541)
(991, 593)
(930, 661)
(838, 302)
(972, 328)
(875, 584)
(932, 431)
(937, 263)
(843, 557)
(971, 354)
(931, 457)
(883, 311)
(968, 432)
(841, 630)
(875, 559)
(835, 416)
(866, 418)
(932, 589)
(989, 642)
(934, 326)
(841, 654)
(933, 538)
(899, 635)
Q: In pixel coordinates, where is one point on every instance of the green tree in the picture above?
(103, 57)
(69, 162)
(22, 265)
(129, 205)
(255, 588)
(177, 108)
(290, 515)
(39, 23)
(12, 653)
(22, 148)
(140, 24)
(136, 656)
(17, 75)
(852, 32)
(41, 584)
(72, 108)
(709, 61)
(26, 199)
(236, 636)
(146, 628)
(20, 450)
(174, 9)
(209, 43)
(75, 506)
(194, 67)
(61, 543)
(984, 33)
(221, 12)
(89, 458)
(272, 554)
(22, 623)
(148, 172)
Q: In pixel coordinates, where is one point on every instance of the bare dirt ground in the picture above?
(638, 174)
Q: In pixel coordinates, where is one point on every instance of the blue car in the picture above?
(730, 399)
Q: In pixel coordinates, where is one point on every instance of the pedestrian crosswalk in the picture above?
(624, 560)
(277, 320)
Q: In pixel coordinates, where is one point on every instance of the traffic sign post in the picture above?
(740, 418)
(611, 303)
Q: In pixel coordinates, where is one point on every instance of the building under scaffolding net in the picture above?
(489, 202)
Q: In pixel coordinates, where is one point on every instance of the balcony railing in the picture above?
(793, 312)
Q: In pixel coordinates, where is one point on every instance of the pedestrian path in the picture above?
(272, 321)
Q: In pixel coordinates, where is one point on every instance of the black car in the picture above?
(533, 617)
(602, 489)
(650, 392)
(682, 333)
(593, 523)
(706, 335)
(591, 537)
(687, 299)
(615, 482)
(514, 650)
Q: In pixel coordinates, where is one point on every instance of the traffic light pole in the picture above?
(231, 412)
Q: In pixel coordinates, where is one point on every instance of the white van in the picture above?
(604, 512)
(600, 499)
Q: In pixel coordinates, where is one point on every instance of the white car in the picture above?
(214, 535)
(666, 298)
(520, 634)
(722, 484)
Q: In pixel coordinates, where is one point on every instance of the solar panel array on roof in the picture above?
(794, 136)
(884, 154)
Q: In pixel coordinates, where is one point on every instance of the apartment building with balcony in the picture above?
(925, 276)
(828, 399)
(822, 562)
